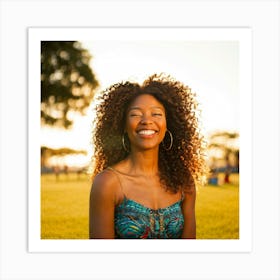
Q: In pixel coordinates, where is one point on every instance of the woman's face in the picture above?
(145, 122)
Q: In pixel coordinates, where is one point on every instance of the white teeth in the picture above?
(146, 132)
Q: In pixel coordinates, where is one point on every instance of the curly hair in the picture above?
(180, 167)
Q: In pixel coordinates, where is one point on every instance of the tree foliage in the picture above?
(47, 153)
(226, 143)
(67, 82)
(61, 151)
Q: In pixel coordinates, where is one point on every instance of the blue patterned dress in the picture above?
(133, 220)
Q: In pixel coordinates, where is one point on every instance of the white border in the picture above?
(243, 37)
(262, 16)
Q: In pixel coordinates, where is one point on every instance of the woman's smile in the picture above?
(147, 133)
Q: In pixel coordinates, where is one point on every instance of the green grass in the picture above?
(217, 211)
(64, 208)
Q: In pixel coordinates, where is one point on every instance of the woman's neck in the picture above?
(143, 163)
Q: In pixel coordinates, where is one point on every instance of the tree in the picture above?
(224, 144)
(67, 82)
(47, 153)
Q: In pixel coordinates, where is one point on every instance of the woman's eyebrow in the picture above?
(139, 108)
(134, 108)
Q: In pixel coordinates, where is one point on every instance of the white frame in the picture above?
(262, 16)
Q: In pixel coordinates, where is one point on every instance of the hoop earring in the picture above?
(171, 141)
(123, 144)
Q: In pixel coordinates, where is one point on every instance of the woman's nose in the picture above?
(145, 119)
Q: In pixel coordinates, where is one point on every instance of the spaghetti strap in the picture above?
(119, 179)
(182, 196)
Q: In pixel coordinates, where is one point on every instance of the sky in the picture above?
(209, 68)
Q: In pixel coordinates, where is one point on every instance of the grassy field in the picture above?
(217, 211)
(64, 208)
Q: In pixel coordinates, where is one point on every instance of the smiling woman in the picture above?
(148, 158)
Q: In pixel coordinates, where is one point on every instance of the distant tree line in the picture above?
(47, 153)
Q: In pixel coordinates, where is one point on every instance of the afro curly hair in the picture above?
(182, 166)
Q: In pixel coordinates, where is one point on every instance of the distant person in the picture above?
(148, 159)
(66, 169)
(227, 170)
(213, 176)
(227, 174)
(56, 171)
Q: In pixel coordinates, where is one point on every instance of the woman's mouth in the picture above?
(146, 132)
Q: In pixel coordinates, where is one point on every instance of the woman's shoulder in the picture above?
(105, 183)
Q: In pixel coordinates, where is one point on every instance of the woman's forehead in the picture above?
(145, 101)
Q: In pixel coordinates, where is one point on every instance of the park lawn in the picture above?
(65, 202)
(64, 206)
(217, 212)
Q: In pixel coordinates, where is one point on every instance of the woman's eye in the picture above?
(157, 114)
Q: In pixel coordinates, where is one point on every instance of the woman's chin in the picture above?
(145, 148)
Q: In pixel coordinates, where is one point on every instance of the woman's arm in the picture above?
(101, 208)
(188, 208)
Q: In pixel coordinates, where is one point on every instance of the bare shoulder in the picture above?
(102, 205)
(105, 184)
(189, 197)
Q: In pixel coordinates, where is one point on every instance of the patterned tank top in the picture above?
(134, 220)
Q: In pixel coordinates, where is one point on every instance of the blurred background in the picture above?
(74, 72)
